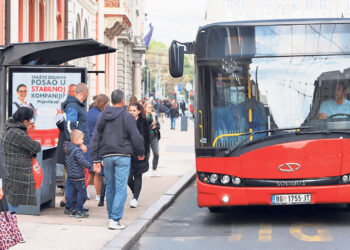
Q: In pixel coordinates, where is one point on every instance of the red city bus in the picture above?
(272, 123)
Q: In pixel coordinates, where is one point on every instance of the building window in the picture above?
(229, 4)
(323, 4)
(295, 4)
(268, 4)
(309, 4)
(282, 5)
(240, 4)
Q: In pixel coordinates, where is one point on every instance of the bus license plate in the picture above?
(287, 199)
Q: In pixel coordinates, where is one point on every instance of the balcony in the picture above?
(117, 17)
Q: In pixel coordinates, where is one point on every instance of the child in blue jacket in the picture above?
(75, 184)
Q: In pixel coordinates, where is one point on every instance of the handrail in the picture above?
(225, 135)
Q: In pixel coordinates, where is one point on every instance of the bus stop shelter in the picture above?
(43, 53)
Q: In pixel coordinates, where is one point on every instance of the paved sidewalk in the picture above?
(54, 230)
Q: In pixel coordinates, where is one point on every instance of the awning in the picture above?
(51, 52)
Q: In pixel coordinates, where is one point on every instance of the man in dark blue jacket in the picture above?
(116, 137)
(76, 115)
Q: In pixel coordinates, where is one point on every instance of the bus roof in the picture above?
(276, 22)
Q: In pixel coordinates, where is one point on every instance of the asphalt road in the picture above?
(185, 226)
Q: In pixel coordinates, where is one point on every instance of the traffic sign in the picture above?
(188, 86)
(179, 86)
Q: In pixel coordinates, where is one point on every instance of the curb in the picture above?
(127, 238)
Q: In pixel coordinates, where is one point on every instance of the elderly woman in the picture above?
(18, 149)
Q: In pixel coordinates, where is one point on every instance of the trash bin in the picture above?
(184, 120)
(47, 193)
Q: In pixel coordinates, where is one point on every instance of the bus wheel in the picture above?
(215, 209)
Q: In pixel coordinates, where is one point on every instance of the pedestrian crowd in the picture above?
(108, 146)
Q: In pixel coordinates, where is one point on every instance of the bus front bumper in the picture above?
(214, 195)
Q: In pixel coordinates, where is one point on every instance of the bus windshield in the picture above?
(278, 40)
(268, 77)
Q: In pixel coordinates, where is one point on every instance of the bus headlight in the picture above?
(236, 180)
(345, 178)
(213, 178)
(220, 179)
(225, 179)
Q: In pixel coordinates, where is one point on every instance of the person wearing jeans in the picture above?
(117, 170)
(174, 113)
(116, 138)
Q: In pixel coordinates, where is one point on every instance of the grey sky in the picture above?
(175, 19)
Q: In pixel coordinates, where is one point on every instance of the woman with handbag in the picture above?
(9, 232)
(154, 128)
(18, 149)
(138, 167)
(3, 174)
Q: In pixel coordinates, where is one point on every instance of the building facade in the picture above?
(117, 23)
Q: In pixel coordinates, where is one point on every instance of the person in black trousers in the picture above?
(138, 167)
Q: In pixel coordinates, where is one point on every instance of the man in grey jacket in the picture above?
(116, 137)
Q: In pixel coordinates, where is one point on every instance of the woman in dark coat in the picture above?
(18, 150)
(138, 167)
(3, 174)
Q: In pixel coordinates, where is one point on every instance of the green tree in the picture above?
(157, 69)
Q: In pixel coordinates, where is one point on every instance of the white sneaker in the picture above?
(88, 197)
(97, 197)
(155, 173)
(115, 225)
(133, 203)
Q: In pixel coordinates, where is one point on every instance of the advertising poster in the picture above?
(43, 90)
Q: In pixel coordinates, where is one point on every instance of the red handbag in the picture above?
(9, 232)
(37, 174)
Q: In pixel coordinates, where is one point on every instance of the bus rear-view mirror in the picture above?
(176, 59)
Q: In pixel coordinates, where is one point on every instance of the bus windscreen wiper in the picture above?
(325, 131)
(233, 148)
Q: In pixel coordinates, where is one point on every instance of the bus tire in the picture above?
(215, 209)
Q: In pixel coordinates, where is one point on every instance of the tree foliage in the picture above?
(157, 62)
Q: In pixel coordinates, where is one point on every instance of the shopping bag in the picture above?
(9, 232)
(37, 174)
